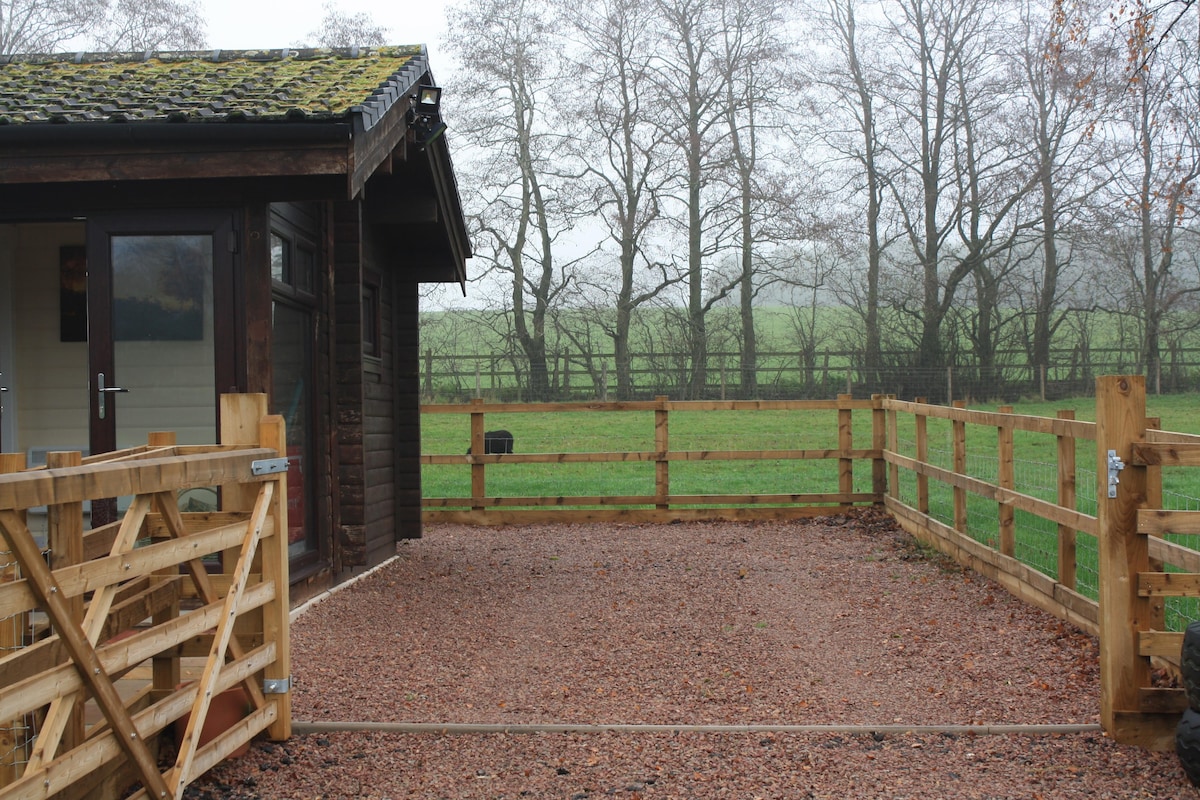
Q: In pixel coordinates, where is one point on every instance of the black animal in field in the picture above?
(496, 442)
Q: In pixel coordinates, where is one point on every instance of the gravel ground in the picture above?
(839, 621)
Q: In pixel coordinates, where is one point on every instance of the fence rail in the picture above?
(136, 595)
(963, 481)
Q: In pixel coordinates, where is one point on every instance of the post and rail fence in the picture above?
(138, 595)
(1085, 537)
(114, 621)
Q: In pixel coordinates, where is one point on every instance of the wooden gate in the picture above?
(145, 593)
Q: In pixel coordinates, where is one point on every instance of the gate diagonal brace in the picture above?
(83, 654)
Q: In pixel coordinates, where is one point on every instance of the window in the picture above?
(293, 264)
(372, 340)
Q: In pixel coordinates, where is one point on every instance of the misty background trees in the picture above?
(920, 183)
(688, 188)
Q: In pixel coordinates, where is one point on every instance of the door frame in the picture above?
(222, 224)
(8, 380)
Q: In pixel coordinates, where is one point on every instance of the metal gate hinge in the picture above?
(1115, 465)
(277, 685)
(268, 466)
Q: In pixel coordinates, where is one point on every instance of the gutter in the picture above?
(222, 131)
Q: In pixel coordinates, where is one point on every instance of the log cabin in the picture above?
(178, 225)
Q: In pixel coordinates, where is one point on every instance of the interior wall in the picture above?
(51, 380)
(171, 381)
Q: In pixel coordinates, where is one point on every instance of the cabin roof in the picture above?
(210, 86)
(88, 131)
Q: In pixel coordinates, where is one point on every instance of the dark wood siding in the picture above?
(407, 410)
(350, 527)
(378, 416)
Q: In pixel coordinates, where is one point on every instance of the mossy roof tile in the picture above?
(221, 85)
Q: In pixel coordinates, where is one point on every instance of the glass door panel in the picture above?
(291, 366)
(163, 338)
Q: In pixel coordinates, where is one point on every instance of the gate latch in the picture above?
(1115, 465)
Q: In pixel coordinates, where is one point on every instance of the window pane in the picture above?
(370, 320)
(302, 269)
(279, 259)
(291, 362)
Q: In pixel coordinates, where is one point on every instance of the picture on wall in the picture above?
(72, 293)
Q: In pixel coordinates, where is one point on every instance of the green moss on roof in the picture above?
(258, 85)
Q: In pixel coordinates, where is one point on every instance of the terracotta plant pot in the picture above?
(226, 710)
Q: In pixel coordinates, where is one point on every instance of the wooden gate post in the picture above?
(272, 433)
(1121, 421)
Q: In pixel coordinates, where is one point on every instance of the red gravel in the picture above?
(835, 622)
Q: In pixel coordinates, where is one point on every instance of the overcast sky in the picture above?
(247, 24)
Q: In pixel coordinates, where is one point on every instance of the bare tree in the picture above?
(147, 25)
(940, 49)
(753, 53)
(688, 73)
(42, 26)
(846, 100)
(341, 29)
(1063, 100)
(510, 65)
(621, 148)
(1160, 118)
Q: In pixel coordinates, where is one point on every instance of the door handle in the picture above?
(103, 390)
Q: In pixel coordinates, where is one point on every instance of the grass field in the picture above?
(1035, 465)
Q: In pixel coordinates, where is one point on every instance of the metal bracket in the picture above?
(268, 466)
(1115, 465)
(277, 685)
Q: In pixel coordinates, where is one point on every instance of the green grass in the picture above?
(1035, 465)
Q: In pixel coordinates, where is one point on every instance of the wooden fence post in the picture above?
(922, 434)
(878, 443)
(478, 475)
(959, 433)
(845, 445)
(893, 444)
(14, 737)
(1067, 563)
(1154, 499)
(1006, 478)
(662, 467)
(64, 536)
(1121, 421)
(429, 374)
